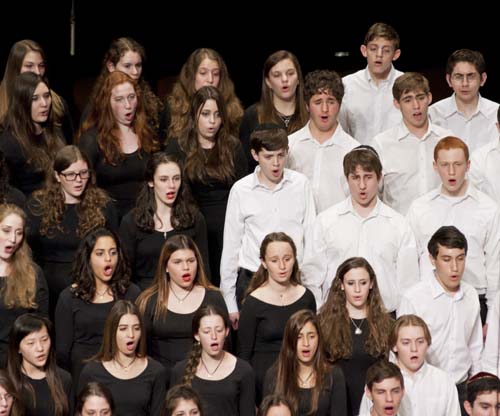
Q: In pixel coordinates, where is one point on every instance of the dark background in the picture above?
(313, 32)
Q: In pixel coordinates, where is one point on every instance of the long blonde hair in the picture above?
(19, 290)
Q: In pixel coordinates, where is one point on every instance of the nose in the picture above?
(210, 78)
(107, 257)
(362, 183)
(357, 287)
(134, 70)
(324, 107)
(413, 346)
(451, 170)
(454, 265)
(128, 103)
(13, 237)
(388, 397)
(305, 341)
(131, 333)
(281, 264)
(213, 334)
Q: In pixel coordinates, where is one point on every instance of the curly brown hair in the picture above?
(183, 91)
(335, 321)
(49, 202)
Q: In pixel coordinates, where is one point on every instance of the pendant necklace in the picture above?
(101, 295)
(125, 367)
(177, 297)
(303, 383)
(210, 374)
(358, 330)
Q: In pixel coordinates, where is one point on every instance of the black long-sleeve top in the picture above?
(233, 395)
(332, 399)
(143, 248)
(8, 316)
(143, 395)
(123, 180)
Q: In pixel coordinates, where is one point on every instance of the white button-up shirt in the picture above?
(484, 170)
(253, 211)
(477, 130)
(491, 352)
(367, 108)
(428, 392)
(384, 238)
(454, 323)
(322, 163)
(407, 164)
(477, 216)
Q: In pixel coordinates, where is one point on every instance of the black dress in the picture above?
(43, 404)
(170, 339)
(332, 399)
(8, 316)
(123, 180)
(56, 254)
(23, 175)
(143, 248)
(231, 396)
(143, 395)
(79, 328)
(355, 367)
(260, 332)
(211, 198)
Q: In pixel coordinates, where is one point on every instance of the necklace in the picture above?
(286, 119)
(101, 295)
(210, 374)
(303, 383)
(177, 297)
(125, 367)
(358, 330)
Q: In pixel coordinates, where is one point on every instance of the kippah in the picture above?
(366, 147)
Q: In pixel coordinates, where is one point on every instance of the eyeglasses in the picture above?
(71, 176)
(468, 77)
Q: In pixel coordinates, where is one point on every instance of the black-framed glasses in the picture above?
(71, 176)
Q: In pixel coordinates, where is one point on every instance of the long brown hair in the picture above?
(23, 326)
(335, 321)
(20, 285)
(183, 91)
(109, 347)
(49, 202)
(266, 111)
(261, 276)
(9, 387)
(195, 355)
(287, 364)
(103, 120)
(160, 286)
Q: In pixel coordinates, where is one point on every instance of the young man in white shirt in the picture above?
(269, 200)
(362, 226)
(483, 395)
(491, 352)
(406, 149)
(318, 149)
(485, 166)
(367, 108)
(466, 113)
(457, 202)
(385, 388)
(450, 307)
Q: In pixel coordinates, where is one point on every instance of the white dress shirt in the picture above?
(477, 216)
(454, 323)
(384, 238)
(491, 352)
(322, 163)
(407, 164)
(253, 211)
(429, 392)
(477, 130)
(484, 170)
(367, 108)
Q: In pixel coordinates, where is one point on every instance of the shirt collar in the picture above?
(438, 290)
(403, 131)
(336, 138)
(390, 78)
(380, 209)
(452, 108)
(470, 192)
(256, 183)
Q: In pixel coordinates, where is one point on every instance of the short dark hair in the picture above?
(269, 137)
(382, 30)
(447, 236)
(466, 55)
(481, 383)
(323, 80)
(364, 156)
(382, 370)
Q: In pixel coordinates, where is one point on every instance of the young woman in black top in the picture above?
(22, 285)
(180, 288)
(118, 139)
(274, 294)
(101, 276)
(182, 400)
(163, 209)
(31, 137)
(10, 401)
(356, 324)
(226, 384)
(95, 399)
(276, 405)
(303, 373)
(62, 213)
(137, 382)
(45, 388)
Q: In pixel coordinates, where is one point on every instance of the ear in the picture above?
(435, 166)
(467, 166)
(263, 264)
(151, 184)
(468, 407)
(433, 260)
(368, 393)
(255, 155)
(448, 80)
(371, 285)
(227, 332)
(397, 54)
(342, 287)
(483, 79)
(395, 349)
(58, 178)
(396, 103)
(363, 50)
(110, 66)
(266, 80)
(498, 126)
(196, 337)
(429, 96)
